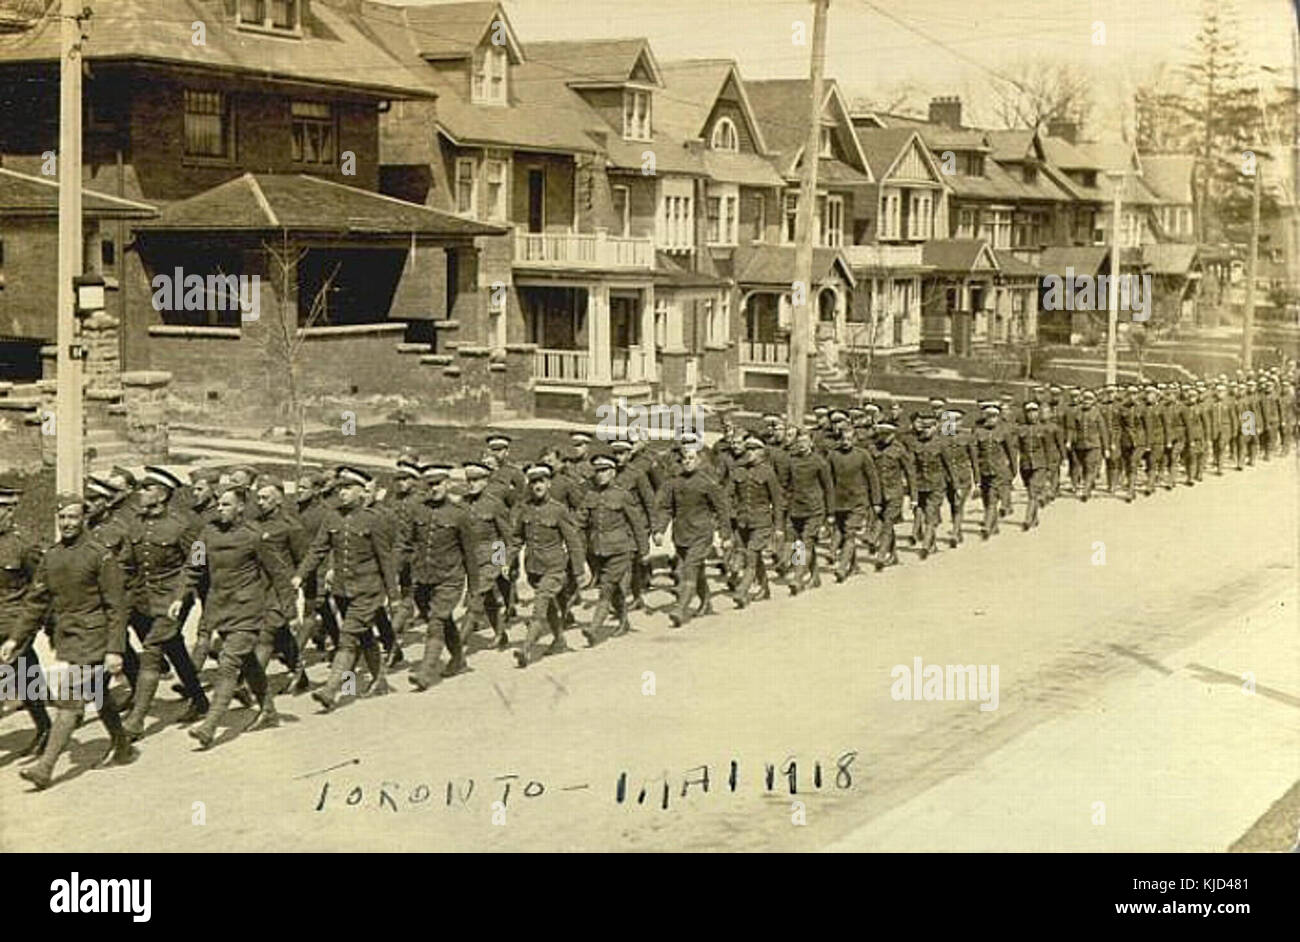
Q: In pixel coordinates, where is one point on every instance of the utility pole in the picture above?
(1119, 177)
(1252, 260)
(801, 291)
(68, 405)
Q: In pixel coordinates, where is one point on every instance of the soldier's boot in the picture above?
(426, 672)
(375, 662)
(267, 716)
(595, 630)
(223, 692)
(120, 750)
(558, 645)
(455, 649)
(146, 686)
(61, 728)
(680, 613)
(197, 709)
(342, 664)
(702, 590)
(395, 657)
(526, 654)
(41, 717)
(764, 585)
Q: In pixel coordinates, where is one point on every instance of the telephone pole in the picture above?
(1252, 261)
(801, 296)
(1112, 319)
(68, 404)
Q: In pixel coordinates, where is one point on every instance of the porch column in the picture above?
(598, 333)
(649, 369)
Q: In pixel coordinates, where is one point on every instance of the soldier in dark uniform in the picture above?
(1225, 421)
(758, 502)
(310, 509)
(1133, 440)
(1009, 423)
(444, 565)
(897, 480)
(20, 556)
(286, 539)
(108, 515)
(1090, 438)
(811, 496)
(407, 493)
(632, 479)
(514, 487)
(959, 443)
(934, 476)
(79, 584)
(1035, 460)
(244, 576)
(1174, 432)
(552, 543)
(158, 545)
(1110, 404)
(1157, 436)
(696, 506)
(857, 497)
(364, 573)
(613, 526)
(994, 462)
(493, 549)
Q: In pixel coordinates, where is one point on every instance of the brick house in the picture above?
(253, 125)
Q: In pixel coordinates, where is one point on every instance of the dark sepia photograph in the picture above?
(600, 426)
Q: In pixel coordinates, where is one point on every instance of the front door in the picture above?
(827, 333)
(624, 335)
(536, 200)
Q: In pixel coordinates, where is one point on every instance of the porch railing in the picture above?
(765, 354)
(583, 250)
(561, 366)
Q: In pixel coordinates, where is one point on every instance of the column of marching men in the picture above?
(348, 571)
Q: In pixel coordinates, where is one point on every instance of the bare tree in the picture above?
(283, 335)
(857, 365)
(1035, 92)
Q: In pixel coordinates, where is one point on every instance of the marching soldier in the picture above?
(811, 499)
(1035, 460)
(1110, 407)
(994, 461)
(934, 476)
(632, 479)
(512, 487)
(613, 525)
(493, 549)
(1133, 438)
(856, 498)
(157, 546)
(897, 479)
(363, 572)
(244, 577)
(963, 459)
(758, 501)
(552, 544)
(695, 505)
(1090, 438)
(444, 565)
(79, 584)
(285, 538)
(20, 557)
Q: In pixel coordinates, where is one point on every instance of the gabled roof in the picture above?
(885, 147)
(781, 106)
(1170, 258)
(1015, 144)
(1067, 156)
(764, 264)
(1169, 176)
(959, 255)
(1111, 153)
(455, 30)
(1083, 259)
(940, 137)
(598, 61)
(22, 194)
(745, 169)
(333, 50)
(265, 202)
(692, 88)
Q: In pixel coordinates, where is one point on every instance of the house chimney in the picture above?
(946, 110)
(1062, 127)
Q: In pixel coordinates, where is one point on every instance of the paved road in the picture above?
(1118, 683)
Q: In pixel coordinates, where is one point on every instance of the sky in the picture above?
(869, 54)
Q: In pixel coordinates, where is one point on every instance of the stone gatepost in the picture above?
(145, 397)
(519, 377)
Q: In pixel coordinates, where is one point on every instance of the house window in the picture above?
(722, 216)
(107, 253)
(891, 221)
(283, 16)
(636, 114)
(827, 145)
(1028, 230)
(710, 322)
(676, 222)
(724, 317)
(313, 132)
(494, 179)
(791, 216)
(207, 124)
(758, 212)
(490, 65)
(832, 221)
(995, 228)
(661, 322)
(622, 210)
(724, 135)
(465, 185)
(965, 224)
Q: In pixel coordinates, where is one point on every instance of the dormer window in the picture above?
(827, 144)
(724, 135)
(1031, 173)
(490, 64)
(280, 16)
(636, 114)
